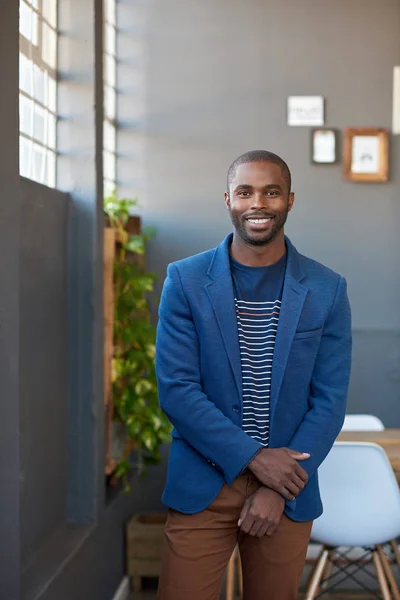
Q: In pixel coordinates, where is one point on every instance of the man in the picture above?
(253, 363)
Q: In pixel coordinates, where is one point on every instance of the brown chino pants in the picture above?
(198, 547)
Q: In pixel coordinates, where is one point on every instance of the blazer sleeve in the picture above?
(198, 420)
(329, 385)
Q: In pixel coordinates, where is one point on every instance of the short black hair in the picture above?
(259, 156)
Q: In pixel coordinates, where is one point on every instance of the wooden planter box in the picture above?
(145, 539)
(110, 249)
(108, 296)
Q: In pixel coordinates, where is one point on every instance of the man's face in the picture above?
(258, 202)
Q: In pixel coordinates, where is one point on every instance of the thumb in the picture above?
(299, 455)
(244, 512)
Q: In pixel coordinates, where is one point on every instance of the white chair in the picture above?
(362, 423)
(361, 501)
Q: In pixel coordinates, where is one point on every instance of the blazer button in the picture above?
(236, 407)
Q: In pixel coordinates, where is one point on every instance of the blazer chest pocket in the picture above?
(305, 335)
(302, 356)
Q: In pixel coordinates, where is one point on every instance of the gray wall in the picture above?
(219, 74)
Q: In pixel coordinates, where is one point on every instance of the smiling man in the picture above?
(253, 364)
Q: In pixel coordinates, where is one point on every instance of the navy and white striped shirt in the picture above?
(258, 293)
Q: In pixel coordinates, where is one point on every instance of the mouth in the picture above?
(259, 223)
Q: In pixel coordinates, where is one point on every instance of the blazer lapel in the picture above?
(293, 296)
(220, 292)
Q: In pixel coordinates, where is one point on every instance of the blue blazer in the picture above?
(199, 375)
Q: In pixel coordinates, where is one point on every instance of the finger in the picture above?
(299, 455)
(247, 524)
(285, 493)
(271, 528)
(301, 473)
(243, 513)
(255, 528)
(293, 488)
(289, 495)
(263, 530)
(298, 482)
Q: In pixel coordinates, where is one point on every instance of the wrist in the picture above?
(270, 491)
(256, 461)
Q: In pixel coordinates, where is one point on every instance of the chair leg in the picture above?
(328, 570)
(381, 576)
(396, 551)
(240, 575)
(388, 572)
(230, 577)
(317, 575)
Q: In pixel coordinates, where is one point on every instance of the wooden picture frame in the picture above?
(324, 146)
(366, 154)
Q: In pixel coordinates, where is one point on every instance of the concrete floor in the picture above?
(153, 596)
(150, 593)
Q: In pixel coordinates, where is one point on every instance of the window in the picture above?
(110, 97)
(38, 90)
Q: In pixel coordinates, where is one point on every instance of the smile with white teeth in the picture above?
(259, 220)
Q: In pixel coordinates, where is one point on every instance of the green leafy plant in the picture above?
(135, 396)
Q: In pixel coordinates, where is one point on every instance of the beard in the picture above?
(258, 238)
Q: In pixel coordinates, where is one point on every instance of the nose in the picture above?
(259, 200)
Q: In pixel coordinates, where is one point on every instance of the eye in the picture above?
(273, 193)
(243, 194)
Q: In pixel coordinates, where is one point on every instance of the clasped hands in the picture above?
(282, 478)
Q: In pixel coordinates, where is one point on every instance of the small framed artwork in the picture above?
(324, 146)
(305, 111)
(366, 154)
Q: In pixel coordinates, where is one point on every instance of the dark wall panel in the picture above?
(97, 569)
(43, 363)
(9, 304)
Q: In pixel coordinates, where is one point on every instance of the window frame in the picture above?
(34, 54)
(110, 183)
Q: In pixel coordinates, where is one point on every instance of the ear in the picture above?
(290, 201)
(227, 200)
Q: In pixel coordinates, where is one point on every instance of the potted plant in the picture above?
(134, 386)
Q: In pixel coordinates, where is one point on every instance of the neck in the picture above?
(258, 256)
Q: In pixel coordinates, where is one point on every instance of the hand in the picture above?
(261, 513)
(278, 469)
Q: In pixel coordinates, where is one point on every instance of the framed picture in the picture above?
(305, 111)
(324, 146)
(366, 154)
